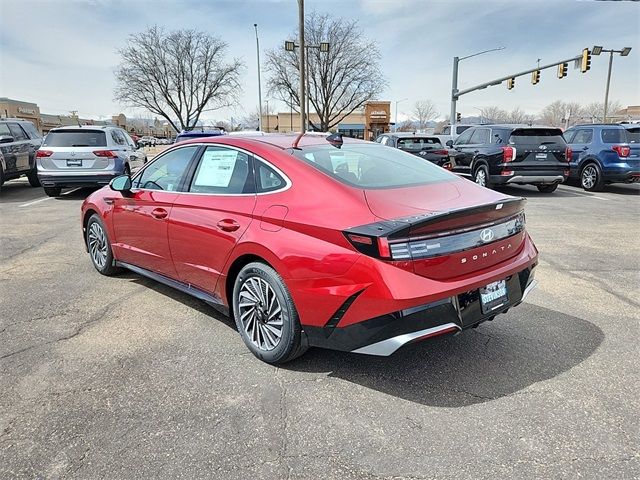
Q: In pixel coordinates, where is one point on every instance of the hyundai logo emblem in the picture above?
(543, 147)
(486, 235)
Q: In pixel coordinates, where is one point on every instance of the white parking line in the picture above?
(34, 202)
(571, 190)
(47, 198)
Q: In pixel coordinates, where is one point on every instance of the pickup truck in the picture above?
(446, 133)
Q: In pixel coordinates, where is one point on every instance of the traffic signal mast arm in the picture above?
(459, 93)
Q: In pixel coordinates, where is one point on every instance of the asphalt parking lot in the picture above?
(125, 378)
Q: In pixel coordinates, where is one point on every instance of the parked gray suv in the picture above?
(84, 156)
(19, 141)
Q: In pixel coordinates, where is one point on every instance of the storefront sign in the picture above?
(26, 111)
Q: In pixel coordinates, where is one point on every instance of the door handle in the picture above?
(159, 213)
(228, 225)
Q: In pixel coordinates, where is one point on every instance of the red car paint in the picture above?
(199, 239)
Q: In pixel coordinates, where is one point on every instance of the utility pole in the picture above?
(597, 50)
(255, 25)
(303, 93)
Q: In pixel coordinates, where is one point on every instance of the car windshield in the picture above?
(633, 135)
(371, 166)
(415, 144)
(536, 136)
(75, 138)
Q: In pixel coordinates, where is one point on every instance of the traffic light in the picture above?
(535, 77)
(562, 70)
(585, 62)
(511, 83)
(458, 117)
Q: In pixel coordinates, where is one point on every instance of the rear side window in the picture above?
(613, 135)
(536, 136)
(267, 179)
(371, 166)
(418, 143)
(480, 136)
(75, 138)
(633, 135)
(31, 130)
(17, 132)
(221, 171)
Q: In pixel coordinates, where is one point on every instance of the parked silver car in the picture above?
(84, 156)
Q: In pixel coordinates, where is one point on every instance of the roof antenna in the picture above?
(297, 140)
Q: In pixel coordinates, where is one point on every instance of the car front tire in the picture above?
(32, 176)
(99, 246)
(591, 178)
(266, 316)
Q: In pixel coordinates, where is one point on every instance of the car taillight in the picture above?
(622, 150)
(105, 153)
(44, 153)
(508, 154)
(372, 246)
(441, 152)
(568, 154)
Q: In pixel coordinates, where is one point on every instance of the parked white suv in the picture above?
(84, 156)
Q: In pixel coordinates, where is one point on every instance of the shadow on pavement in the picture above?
(497, 359)
(622, 189)
(81, 193)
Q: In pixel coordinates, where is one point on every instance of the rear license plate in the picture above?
(541, 156)
(74, 163)
(493, 296)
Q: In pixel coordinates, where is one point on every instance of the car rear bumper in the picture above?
(77, 180)
(628, 176)
(529, 178)
(385, 334)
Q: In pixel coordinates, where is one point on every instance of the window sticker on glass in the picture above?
(216, 168)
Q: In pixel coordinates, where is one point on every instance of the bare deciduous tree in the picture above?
(493, 114)
(517, 115)
(176, 75)
(406, 126)
(340, 81)
(595, 110)
(424, 111)
(562, 114)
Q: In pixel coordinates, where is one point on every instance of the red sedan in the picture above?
(316, 241)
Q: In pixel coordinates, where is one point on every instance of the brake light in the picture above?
(105, 153)
(622, 150)
(441, 152)
(43, 153)
(383, 247)
(568, 154)
(377, 247)
(508, 154)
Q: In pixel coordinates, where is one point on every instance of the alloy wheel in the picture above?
(589, 176)
(260, 313)
(481, 177)
(97, 245)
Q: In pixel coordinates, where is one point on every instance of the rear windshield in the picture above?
(372, 165)
(536, 136)
(415, 144)
(613, 135)
(75, 138)
(633, 135)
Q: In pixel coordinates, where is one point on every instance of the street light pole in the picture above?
(395, 121)
(255, 25)
(303, 93)
(606, 93)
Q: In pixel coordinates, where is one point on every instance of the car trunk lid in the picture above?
(538, 149)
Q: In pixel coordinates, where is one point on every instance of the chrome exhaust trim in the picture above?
(386, 347)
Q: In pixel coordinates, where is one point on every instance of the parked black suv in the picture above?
(19, 141)
(512, 154)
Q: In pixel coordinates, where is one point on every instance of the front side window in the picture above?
(4, 130)
(166, 172)
(568, 135)
(464, 137)
(584, 135)
(222, 171)
(17, 132)
(372, 166)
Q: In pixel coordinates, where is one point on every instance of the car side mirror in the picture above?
(449, 143)
(6, 139)
(121, 183)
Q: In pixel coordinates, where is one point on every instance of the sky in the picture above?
(62, 54)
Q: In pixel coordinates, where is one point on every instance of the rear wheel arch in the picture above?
(236, 266)
(479, 161)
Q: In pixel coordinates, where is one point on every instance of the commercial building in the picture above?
(17, 109)
(366, 123)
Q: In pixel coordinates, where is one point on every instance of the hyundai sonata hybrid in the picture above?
(316, 240)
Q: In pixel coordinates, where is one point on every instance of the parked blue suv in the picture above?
(604, 153)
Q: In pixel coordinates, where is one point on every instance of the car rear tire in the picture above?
(266, 316)
(481, 176)
(32, 176)
(99, 246)
(52, 191)
(547, 188)
(591, 178)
